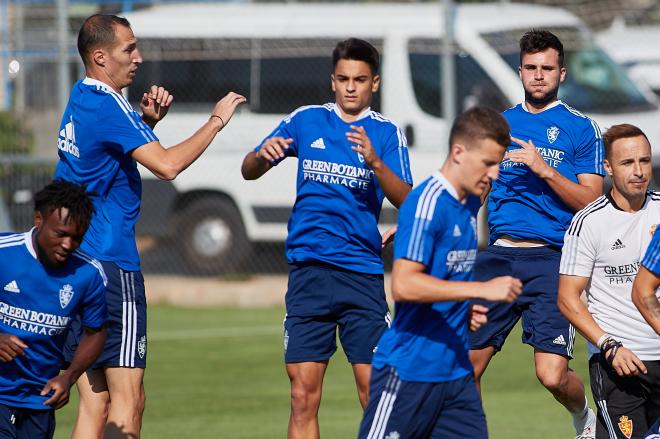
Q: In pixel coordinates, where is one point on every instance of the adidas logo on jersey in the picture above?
(318, 143)
(457, 230)
(67, 140)
(12, 287)
(559, 340)
(618, 245)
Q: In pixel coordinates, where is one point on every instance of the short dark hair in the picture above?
(98, 31)
(63, 194)
(480, 122)
(539, 40)
(622, 131)
(358, 50)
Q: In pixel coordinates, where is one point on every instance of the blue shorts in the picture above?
(321, 298)
(544, 326)
(126, 342)
(410, 409)
(22, 423)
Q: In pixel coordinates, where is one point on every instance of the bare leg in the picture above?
(306, 385)
(93, 406)
(127, 402)
(480, 359)
(362, 373)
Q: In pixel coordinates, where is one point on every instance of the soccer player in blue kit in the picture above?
(101, 140)
(647, 282)
(47, 281)
(422, 383)
(553, 168)
(349, 159)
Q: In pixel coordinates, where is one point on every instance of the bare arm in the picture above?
(574, 195)
(395, 189)
(257, 163)
(644, 296)
(88, 350)
(167, 163)
(625, 363)
(411, 284)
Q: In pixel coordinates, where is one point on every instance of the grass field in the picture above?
(218, 373)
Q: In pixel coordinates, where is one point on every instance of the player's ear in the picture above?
(562, 74)
(38, 219)
(457, 151)
(332, 82)
(608, 167)
(375, 85)
(98, 57)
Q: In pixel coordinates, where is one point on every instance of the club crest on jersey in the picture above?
(142, 346)
(66, 293)
(626, 426)
(553, 133)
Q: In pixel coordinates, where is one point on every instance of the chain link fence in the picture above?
(209, 221)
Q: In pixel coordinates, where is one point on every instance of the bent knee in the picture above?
(553, 380)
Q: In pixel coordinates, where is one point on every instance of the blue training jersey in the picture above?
(338, 198)
(429, 342)
(37, 305)
(522, 205)
(99, 129)
(651, 260)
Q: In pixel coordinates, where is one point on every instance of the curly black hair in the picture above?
(74, 197)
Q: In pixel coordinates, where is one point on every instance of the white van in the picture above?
(279, 56)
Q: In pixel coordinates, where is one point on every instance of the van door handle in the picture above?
(410, 134)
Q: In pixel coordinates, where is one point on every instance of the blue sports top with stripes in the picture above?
(651, 260)
(522, 205)
(37, 304)
(99, 129)
(338, 198)
(429, 342)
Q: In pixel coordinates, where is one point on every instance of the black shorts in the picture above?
(627, 406)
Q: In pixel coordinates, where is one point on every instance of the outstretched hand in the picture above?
(225, 107)
(528, 155)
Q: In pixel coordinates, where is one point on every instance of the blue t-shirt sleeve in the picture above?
(651, 260)
(286, 129)
(395, 154)
(94, 310)
(415, 238)
(589, 153)
(120, 128)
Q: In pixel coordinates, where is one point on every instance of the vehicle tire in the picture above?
(210, 237)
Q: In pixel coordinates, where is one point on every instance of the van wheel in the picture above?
(211, 237)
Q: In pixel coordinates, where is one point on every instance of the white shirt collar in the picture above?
(448, 186)
(92, 81)
(29, 244)
(362, 115)
(552, 105)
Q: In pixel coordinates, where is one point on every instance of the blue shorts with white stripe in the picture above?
(415, 410)
(126, 343)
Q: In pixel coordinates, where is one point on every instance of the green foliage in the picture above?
(219, 373)
(15, 137)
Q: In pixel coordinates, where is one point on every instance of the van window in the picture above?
(276, 75)
(474, 86)
(594, 82)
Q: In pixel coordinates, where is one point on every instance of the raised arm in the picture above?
(395, 189)
(574, 195)
(257, 163)
(167, 163)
